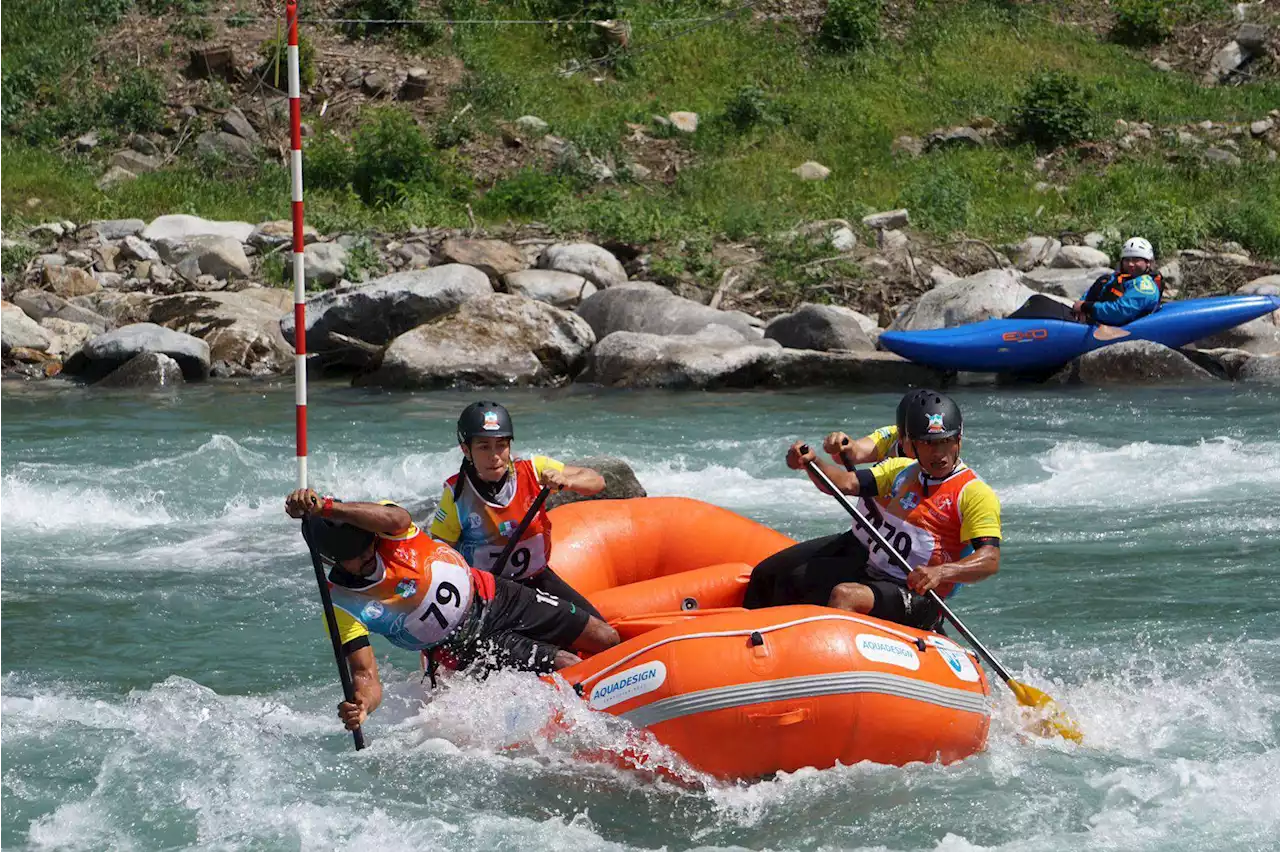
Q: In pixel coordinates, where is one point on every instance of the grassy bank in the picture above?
(768, 99)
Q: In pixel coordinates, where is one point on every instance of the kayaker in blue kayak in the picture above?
(1124, 296)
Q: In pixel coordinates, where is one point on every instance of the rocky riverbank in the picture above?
(126, 303)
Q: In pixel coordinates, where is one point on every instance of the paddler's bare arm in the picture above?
(583, 480)
(800, 453)
(979, 565)
(367, 686)
(374, 517)
(842, 448)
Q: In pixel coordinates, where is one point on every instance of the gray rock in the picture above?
(562, 289)
(132, 161)
(820, 327)
(1226, 62)
(135, 248)
(808, 368)
(66, 337)
(650, 309)
(67, 281)
(889, 219)
(324, 264)
(143, 145)
(1222, 362)
(51, 259)
(414, 256)
(41, 305)
(1261, 369)
(532, 125)
(811, 170)
(19, 331)
(1261, 127)
(1221, 157)
(110, 280)
(1253, 38)
(234, 122)
(385, 308)
(993, 293)
(114, 175)
(593, 263)
(1080, 257)
(416, 85)
(242, 329)
(714, 357)
(118, 229)
(116, 307)
(179, 226)
(108, 351)
(221, 257)
(145, 370)
(47, 231)
(1161, 65)
(844, 239)
(939, 275)
(87, 142)
(620, 482)
(1071, 283)
(376, 84)
(494, 258)
(1267, 285)
(954, 137)
(1138, 361)
(495, 340)
(278, 233)
(214, 143)
(685, 122)
(1034, 251)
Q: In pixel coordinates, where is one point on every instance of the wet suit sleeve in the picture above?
(979, 512)
(884, 438)
(445, 525)
(1141, 297)
(878, 480)
(353, 634)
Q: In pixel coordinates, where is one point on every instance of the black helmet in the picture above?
(932, 416)
(903, 405)
(484, 420)
(334, 539)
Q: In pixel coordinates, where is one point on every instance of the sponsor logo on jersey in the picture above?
(372, 611)
(407, 588)
(910, 500)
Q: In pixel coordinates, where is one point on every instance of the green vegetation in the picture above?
(274, 68)
(769, 95)
(1143, 22)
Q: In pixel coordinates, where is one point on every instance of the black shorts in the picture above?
(550, 582)
(805, 573)
(520, 628)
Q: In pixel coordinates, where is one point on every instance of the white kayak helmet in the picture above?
(1137, 247)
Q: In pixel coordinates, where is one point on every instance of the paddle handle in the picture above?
(514, 539)
(331, 621)
(901, 562)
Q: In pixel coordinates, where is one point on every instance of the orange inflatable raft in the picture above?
(743, 693)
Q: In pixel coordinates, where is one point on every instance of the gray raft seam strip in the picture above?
(811, 686)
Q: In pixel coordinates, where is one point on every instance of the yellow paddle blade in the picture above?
(1052, 719)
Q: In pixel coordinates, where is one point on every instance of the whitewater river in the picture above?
(167, 682)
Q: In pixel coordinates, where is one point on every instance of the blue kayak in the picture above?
(1039, 345)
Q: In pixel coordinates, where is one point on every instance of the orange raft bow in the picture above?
(744, 693)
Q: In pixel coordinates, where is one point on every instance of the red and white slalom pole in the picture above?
(300, 344)
(299, 278)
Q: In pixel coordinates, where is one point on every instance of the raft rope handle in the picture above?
(748, 631)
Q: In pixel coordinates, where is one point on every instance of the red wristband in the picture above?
(327, 507)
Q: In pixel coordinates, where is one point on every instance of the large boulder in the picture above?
(242, 331)
(497, 340)
(1034, 251)
(385, 308)
(494, 258)
(1262, 368)
(146, 370)
(716, 356)
(108, 351)
(41, 305)
(620, 482)
(117, 229)
(221, 257)
(1267, 285)
(562, 289)
(1079, 257)
(994, 293)
(19, 331)
(808, 368)
(1071, 283)
(116, 307)
(180, 227)
(1138, 361)
(651, 309)
(821, 327)
(593, 263)
(67, 337)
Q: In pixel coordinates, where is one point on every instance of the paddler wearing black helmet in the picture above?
(883, 443)
(933, 509)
